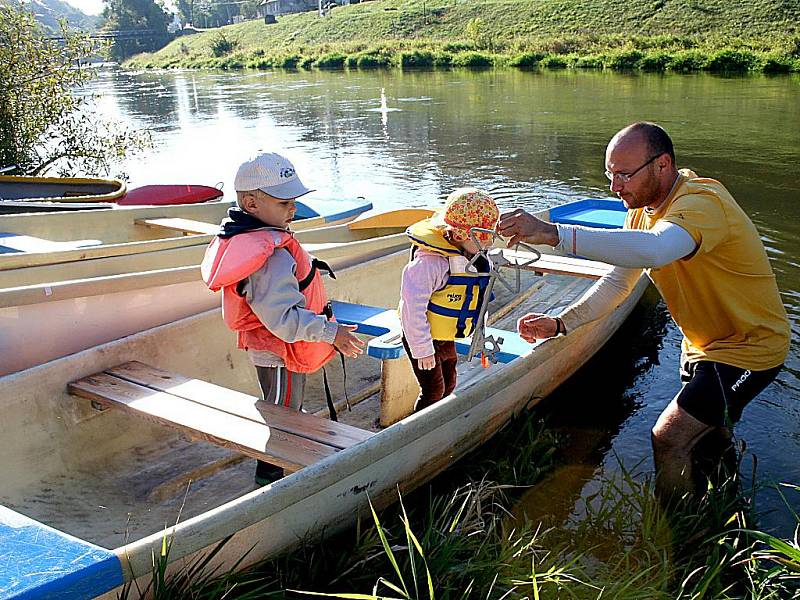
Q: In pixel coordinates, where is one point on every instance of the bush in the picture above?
(415, 59)
(305, 62)
(288, 62)
(593, 61)
(473, 60)
(476, 32)
(261, 63)
(625, 60)
(366, 60)
(690, 60)
(442, 60)
(554, 62)
(527, 60)
(655, 62)
(231, 63)
(221, 45)
(794, 49)
(458, 47)
(779, 64)
(330, 61)
(732, 61)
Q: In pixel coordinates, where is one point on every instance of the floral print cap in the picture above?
(464, 209)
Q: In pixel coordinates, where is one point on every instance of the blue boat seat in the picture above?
(383, 324)
(42, 562)
(14, 242)
(592, 212)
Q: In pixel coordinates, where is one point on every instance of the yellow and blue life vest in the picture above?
(452, 310)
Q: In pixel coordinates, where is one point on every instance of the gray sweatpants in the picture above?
(282, 387)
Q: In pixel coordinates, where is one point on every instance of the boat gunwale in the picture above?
(316, 226)
(108, 284)
(194, 534)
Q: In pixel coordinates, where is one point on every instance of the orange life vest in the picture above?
(229, 260)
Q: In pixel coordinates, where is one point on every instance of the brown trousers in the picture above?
(440, 381)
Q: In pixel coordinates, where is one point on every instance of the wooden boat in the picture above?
(60, 189)
(48, 318)
(45, 247)
(22, 194)
(96, 487)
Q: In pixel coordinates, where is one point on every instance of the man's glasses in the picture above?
(626, 177)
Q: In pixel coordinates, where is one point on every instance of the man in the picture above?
(706, 259)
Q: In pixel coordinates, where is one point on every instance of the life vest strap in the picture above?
(316, 265)
(329, 396)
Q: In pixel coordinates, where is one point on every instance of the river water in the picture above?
(531, 139)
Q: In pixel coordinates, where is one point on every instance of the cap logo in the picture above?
(287, 173)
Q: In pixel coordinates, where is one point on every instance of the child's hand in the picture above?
(346, 342)
(426, 363)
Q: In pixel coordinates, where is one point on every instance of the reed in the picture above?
(459, 538)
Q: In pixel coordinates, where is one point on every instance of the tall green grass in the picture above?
(634, 55)
(459, 538)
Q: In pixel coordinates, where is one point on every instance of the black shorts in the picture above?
(716, 394)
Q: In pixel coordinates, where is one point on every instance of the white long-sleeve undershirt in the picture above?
(630, 251)
(600, 299)
(631, 248)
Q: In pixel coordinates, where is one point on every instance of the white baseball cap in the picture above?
(272, 174)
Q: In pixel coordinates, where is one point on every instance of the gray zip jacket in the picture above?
(274, 296)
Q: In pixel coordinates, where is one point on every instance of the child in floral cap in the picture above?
(439, 299)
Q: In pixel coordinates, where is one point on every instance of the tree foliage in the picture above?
(45, 124)
(147, 17)
(215, 13)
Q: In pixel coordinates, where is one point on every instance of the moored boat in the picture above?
(111, 480)
(99, 300)
(45, 247)
(60, 189)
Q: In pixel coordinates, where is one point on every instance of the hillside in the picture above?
(562, 28)
(48, 13)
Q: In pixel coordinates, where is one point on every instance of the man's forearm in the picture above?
(662, 245)
(600, 299)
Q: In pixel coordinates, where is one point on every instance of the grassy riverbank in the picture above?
(465, 537)
(656, 35)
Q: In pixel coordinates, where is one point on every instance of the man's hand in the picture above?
(426, 363)
(346, 342)
(523, 227)
(535, 326)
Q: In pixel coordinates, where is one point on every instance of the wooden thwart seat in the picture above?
(561, 265)
(16, 242)
(184, 226)
(225, 417)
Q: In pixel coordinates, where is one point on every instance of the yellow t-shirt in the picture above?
(723, 297)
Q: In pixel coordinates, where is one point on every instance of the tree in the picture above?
(146, 17)
(214, 13)
(44, 124)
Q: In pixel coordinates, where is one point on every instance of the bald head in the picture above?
(640, 162)
(648, 135)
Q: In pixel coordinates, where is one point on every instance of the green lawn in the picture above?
(649, 34)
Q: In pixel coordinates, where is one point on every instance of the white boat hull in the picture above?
(42, 322)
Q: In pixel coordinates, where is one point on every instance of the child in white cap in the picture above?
(272, 292)
(439, 299)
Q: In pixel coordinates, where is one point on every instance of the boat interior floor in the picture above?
(173, 477)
